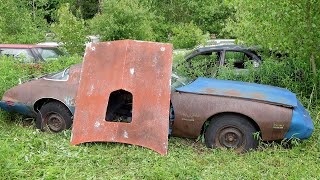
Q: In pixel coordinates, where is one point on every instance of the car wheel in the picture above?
(54, 117)
(231, 131)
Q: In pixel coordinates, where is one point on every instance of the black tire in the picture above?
(231, 131)
(54, 117)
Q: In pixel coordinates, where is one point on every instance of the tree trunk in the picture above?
(313, 65)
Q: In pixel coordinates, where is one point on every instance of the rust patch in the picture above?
(258, 95)
(141, 68)
(232, 93)
(208, 90)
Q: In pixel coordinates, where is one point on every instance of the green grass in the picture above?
(27, 153)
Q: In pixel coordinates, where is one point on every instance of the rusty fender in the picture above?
(192, 111)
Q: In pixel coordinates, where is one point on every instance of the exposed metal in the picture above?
(141, 68)
(191, 111)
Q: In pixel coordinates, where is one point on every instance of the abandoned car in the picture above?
(228, 113)
(210, 58)
(30, 53)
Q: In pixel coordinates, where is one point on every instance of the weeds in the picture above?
(27, 153)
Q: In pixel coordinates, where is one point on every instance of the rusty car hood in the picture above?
(238, 89)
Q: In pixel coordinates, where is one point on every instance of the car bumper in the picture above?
(301, 124)
(17, 107)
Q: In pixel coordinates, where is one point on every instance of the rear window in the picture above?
(23, 54)
(49, 53)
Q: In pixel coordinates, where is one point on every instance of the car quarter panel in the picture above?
(30, 92)
(192, 110)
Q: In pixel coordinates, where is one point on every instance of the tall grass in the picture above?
(27, 153)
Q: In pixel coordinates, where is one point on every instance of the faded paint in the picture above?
(17, 107)
(30, 92)
(109, 65)
(97, 124)
(131, 71)
(70, 101)
(205, 106)
(269, 94)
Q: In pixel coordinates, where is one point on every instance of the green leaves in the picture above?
(127, 19)
(17, 25)
(70, 30)
(187, 35)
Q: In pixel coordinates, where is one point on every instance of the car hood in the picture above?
(238, 89)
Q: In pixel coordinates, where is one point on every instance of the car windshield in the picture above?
(59, 76)
(49, 53)
(179, 81)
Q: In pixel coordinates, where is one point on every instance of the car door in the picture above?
(204, 64)
(238, 60)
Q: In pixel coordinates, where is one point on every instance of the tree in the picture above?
(125, 19)
(88, 8)
(17, 24)
(70, 30)
(287, 26)
(209, 15)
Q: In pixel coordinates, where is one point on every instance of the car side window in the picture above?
(47, 53)
(204, 64)
(23, 54)
(236, 59)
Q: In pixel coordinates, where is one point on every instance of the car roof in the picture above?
(223, 47)
(25, 46)
(230, 47)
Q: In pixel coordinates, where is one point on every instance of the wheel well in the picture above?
(39, 103)
(211, 118)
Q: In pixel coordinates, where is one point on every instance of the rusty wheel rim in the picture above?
(55, 122)
(230, 137)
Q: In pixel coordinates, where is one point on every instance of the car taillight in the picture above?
(10, 103)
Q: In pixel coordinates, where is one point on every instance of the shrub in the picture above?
(187, 35)
(70, 30)
(127, 19)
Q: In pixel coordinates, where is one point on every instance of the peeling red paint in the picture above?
(141, 68)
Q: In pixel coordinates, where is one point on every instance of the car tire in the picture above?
(231, 131)
(54, 117)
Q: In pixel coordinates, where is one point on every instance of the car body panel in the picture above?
(63, 91)
(17, 107)
(130, 66)
(301, 125)
(193, 110)
(238, 89)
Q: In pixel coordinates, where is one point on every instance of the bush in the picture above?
(17, 25)
(127, 19)
(187, 35)
(70, 30)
